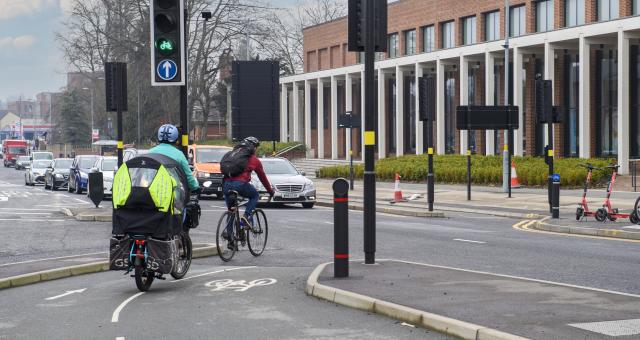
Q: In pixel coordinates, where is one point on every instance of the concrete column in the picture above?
(440, 147)
(549, 74)
(382, 130)
(419, 124)
(623, 102)
(284, 113)
(296, 113)
(399, 111)
(464, 99)
(334, 117)
(348, 106)
(489, 92)
(362, 114)
(518, 135)
(320, 118)
(307, 113)
(584, 95)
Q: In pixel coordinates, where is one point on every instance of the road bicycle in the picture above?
(255, 238)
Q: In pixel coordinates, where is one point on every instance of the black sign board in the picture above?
(115, 74)
(349, 121)
(487, 118)
(427, 98)
(356, 27)
(95, 188)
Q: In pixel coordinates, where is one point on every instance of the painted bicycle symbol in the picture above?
(238, 286)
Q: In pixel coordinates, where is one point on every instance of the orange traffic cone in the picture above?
(514, 176)
(397, 195)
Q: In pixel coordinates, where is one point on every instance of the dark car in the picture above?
(57, 175)
(79, 173)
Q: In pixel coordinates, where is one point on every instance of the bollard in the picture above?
(95, 188)
(430, 180)
(341, 228)
(555, 196)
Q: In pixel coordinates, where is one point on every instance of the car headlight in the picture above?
(309, 186)
(83, 175)
(202, 174)
(59, 176)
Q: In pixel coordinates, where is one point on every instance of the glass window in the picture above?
(492, 26)
(469, 30)
(635, 7)
(634, 81)
(448, 34)
(393, 45)
(574, 12)
(517, 21)
(278, 167)
(544, 16)
(210, 155)
(428, 39)
(608, 10)
(450, 105)
(607, 102)
(571, 102)
(87, 162)
(410, 42)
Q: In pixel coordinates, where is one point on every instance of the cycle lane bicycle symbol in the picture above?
(238, 286)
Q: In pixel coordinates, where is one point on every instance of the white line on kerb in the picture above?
(116, 313)
(469, 241)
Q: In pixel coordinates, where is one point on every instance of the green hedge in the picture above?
(486, 170)
(265, 149)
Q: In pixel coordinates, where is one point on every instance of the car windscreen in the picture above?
(87, 162)
(63, 164)
(42, 156)
(40, 164)
(17, 150)
(278, 167)
(110, 165)
(210, 155)
(23, 159)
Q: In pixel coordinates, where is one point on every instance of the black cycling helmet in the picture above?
(252, 140)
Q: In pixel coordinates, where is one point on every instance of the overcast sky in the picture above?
(30, 61)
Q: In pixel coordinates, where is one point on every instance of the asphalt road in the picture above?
(299, 239)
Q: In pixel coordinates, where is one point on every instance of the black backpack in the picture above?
(234, 162)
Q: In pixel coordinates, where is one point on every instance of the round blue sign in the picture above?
(167, 69)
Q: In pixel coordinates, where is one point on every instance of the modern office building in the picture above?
(590, 49)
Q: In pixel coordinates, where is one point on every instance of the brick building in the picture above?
(590, 49)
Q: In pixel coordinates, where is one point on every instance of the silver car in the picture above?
(108, 167)
(34, 173)
(290, 185)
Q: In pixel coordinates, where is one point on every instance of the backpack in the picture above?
(234, 162)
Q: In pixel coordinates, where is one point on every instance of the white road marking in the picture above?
(327, 222)
(611, 328)
(469, 241)
(408, 325)
(632, 227)
(238, 286)
(69, 292)
(116, 313)
(85, 259)
(120, 338)
(4, 198)
(47, 259)
(23, 213)
(29, 209)
(214, 272)
(30, 220)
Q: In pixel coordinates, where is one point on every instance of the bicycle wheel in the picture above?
(636, 209)
(257, 238)
(221, 244)
(184, 256)
(144, 278)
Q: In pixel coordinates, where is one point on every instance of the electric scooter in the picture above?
(583, 209)
(607, 211)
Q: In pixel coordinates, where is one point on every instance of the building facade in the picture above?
(590, 49)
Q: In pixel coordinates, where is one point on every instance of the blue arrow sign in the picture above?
(167, 69)
(555, 177)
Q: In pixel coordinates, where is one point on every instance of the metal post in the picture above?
(369, 138)
(184, 96)
(506, 166)
(351, 174)
(92, 111)
(341, 228)
(555, 209)
(468, 166)
(138, 130)
(430, 175)
(550, 159)
(121, 98)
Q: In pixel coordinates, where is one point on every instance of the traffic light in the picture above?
(357, 29)
(544, 101)
(167, 43)
(427, 98)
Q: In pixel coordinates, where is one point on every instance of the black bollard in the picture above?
(555, 197)
(341, 228)
(430, 181)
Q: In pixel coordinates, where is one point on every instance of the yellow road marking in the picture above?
(527, 225)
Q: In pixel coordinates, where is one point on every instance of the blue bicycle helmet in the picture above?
(168, 134)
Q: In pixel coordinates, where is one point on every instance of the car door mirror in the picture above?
(303, 173)
(94, 169)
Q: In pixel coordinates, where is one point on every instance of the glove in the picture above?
(197, 191)
(271, 194)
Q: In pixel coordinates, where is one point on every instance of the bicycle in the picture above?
(255, 238)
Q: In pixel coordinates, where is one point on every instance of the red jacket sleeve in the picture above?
(257, 167)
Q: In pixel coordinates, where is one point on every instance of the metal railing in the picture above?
(287, 150)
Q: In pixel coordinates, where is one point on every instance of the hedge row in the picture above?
(265, 149)
(486, 170)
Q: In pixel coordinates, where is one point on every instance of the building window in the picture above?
(544, 16)
(492, 26)
(574, 12)
(428, 39)
(634, 95)
(571, 103)
(607, 102)
(393, 45)
(517, 21)
(608, 10)
(448, 34)
(469, 30)
(635, 7)
(450, 106)
(359, 57)
(410, 42)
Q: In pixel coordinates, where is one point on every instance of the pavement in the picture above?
(456, 301)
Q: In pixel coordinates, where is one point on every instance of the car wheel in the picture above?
(308, 205)
(78, 188)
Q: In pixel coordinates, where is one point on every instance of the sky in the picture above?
(30, 61)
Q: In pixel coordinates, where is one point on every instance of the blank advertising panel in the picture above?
(255, 100)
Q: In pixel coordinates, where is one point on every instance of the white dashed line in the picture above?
(468, 241)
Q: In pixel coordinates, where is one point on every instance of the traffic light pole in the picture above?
(122, 96)
(184, 95)
(369, 138)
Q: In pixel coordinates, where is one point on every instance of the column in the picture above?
(489, 92)
(296, 113)
(307, 113)
(549, 74)
(464, 99)
(419, 123)
(348, 106)
(284, 113)
(362, 115)
(623, 102)
(584, 98)
(399, 111)
(440, 147)
(320, 118)
(382, 146)
(518, 135)
(334, 117)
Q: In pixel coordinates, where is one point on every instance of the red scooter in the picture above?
(608, 212)
(583, 209)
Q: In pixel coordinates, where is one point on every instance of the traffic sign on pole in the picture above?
(167, 43)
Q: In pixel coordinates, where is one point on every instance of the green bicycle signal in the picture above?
(165, 46)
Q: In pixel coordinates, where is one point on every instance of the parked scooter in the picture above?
(607, 211)
(583, 209)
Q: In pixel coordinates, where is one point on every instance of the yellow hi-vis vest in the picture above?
(161, 188)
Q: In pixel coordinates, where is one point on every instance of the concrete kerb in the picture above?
(87, 268)
(543, 225)
(412, 316)
(392, 211)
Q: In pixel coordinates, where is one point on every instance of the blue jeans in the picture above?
(245, 190)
